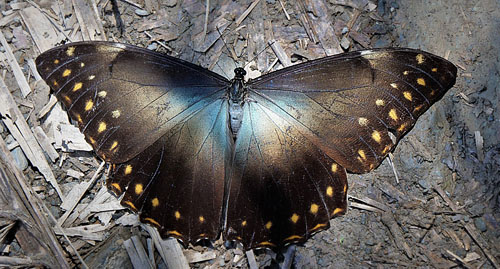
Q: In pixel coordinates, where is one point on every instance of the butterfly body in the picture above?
(263, 162)
(237, 96)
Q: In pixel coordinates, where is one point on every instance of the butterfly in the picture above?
(262, 162)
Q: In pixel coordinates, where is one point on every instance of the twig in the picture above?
(284, 10)
(464, 263)
(161, 43)
(247, 11)
(280, 53)
(16, 69)
(18, 127)
(468, 227)
(391, 163)
(207, 10)
(77, 194)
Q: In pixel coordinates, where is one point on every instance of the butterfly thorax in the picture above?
(237, 92)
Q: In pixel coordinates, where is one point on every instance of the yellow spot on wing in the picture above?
(420, 58)
(115, 114)
(67, 99)
(117, 186)
(56, 61)
(394, 85)
(434, 69)
(386, 149)
(155, 202)
(338, 211)
(380, 102)
(317, 227)
(407, 95)
(89, 105)
(269, 224)
(418, 108)
(266, 244)
(66, 73)
(314, 208)
(128, 169)
(421, 81)
(294, 218)
(335, 167)
(362, 154)
(402, 127)
(102, 127)
(376, 136)
(177, 215)
(152, 221)
(70, 51)
(82, 64)
(113, 146)
(244, 223)
(102, 94)
(345, 188)
(174, 233)
(91, 77)
(131, 205)
(393, 114)
(138, 189)
(201, 219)
(77, 86)
(293, 237)
(79, 118)
(363, 121)
(329, 191)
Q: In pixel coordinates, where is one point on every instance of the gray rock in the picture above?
(381, 42)
(480, 225)
(456, 218)
(424, 184)
(141, 12)
(170, 3)
(19, 158)
(153, 46)
(345, 43)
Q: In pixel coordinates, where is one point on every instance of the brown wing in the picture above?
(348, 104)
(125, 97)
(282, 188)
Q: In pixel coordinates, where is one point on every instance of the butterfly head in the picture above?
(239, 73)
(237, 90)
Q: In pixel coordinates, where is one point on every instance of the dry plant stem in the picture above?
(468, 227)
(14, 120)
(247, 11)
(169, 249)
(32, 204)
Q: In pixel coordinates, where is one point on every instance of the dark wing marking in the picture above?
(120, 93)
(282, 188)
(177, 183)
(348, 104)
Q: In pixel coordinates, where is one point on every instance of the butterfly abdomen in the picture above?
(237, 92)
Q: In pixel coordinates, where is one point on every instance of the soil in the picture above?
(442, 152)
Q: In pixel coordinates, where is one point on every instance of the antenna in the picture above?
(232, 54)
(270, 44)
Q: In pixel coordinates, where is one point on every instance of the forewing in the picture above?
(348, 105)
(124, 97)
(282, 188)
(177, 183)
